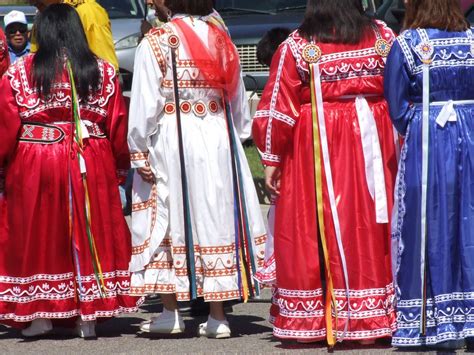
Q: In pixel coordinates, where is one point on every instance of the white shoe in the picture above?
(85, 329)
(216, 329)
(38, 327)
(168, 322)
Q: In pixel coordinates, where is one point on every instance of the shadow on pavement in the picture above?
(380, 344)
(241, 325)
(111, 328)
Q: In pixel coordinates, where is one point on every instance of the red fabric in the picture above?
(4, 56)
(38, 275)
(289, 144)
(218, 61)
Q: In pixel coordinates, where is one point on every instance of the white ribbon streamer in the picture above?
(424, 179)
(330, 184)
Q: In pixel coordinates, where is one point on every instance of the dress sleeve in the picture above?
(9, 124)
(241, 113)
(116, 128)
(397, 87)
(4, 56)
(146, 103)
(279, 108)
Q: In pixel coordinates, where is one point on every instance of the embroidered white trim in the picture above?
(348, 335)
(276, 91)
(455, 296)
(271, 157)
(406, 49)
(300, 293)
(39, 277)
(431, 340)
(26, 96)
(277, 115)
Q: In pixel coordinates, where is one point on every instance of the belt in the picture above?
(36, 132)
(448, 113)
(199, 108)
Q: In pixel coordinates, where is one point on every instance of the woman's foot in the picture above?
(216, 329)
(367, 342)
(38, 327)
(85, 329)
(168, 322)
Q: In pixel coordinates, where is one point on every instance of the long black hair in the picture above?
(59, 34)
(335, 21)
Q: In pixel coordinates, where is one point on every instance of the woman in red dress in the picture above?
(4, 57)
(330, 153)
(65, 251)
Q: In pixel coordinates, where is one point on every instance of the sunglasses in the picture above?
(14, 30)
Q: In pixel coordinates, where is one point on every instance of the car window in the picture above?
(123, 8)
(267, 5)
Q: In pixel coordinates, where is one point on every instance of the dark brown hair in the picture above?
(190, 7)
(335, 21)
(440, 14)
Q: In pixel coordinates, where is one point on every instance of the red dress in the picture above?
(46, 271)
(283, 131)
(4, 56)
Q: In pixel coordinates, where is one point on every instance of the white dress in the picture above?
(159, 254)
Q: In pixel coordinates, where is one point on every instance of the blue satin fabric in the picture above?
(450, 212)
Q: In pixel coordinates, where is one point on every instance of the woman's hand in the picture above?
(146, 174)
(272, 179)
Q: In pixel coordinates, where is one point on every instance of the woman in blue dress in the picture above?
(429, 85)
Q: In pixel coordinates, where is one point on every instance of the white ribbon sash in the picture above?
(374, 171)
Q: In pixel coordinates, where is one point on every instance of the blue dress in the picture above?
(447, 299)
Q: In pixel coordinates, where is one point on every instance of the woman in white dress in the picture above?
(193, 194)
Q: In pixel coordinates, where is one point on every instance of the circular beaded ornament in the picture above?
(169, 109)
(213, 106)
(199, 109)
(185, 107)
(382, 47)
(311, 53)
(173, 41)
(425, 50)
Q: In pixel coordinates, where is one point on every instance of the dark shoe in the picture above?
(449, 345)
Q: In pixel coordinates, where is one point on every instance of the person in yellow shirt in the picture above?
(96, 23)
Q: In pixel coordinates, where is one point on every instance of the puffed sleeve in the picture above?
(279, 108)
(146, 103)
(116, 129)
(397, 87)
(9, 123)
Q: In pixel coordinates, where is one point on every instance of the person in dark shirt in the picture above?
(269, 44)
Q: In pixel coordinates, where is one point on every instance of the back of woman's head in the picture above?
(441, 14)
(335, 21)
(190, 7)
(59, 34)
